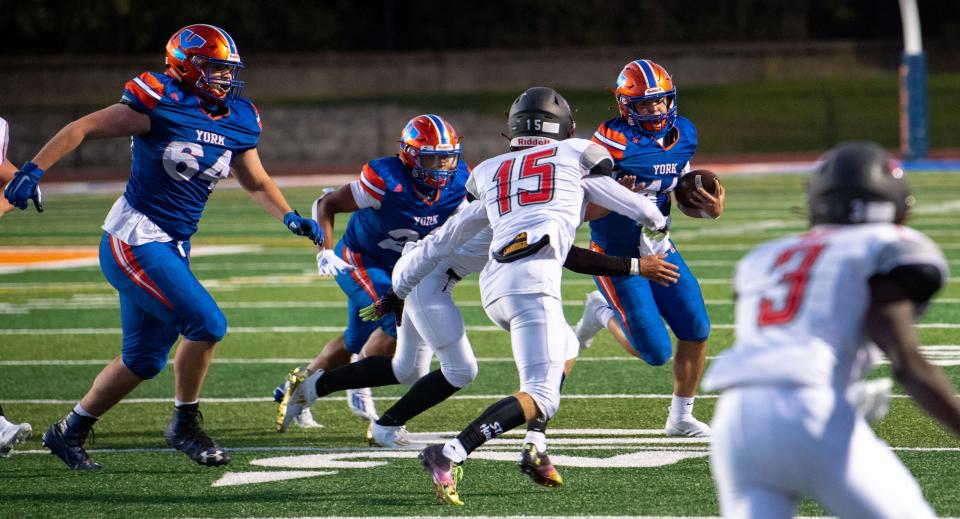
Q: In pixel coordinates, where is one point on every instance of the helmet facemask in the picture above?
(654, 125)
(218, 78)
(433, 168)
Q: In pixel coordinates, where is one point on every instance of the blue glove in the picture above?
(25, 186)
(303, 227)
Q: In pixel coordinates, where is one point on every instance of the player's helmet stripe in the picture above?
(441, 128)
(648, 74)
(233, 46)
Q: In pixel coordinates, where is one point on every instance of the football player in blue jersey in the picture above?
(190, 128)
(654, 145)
(396, 200)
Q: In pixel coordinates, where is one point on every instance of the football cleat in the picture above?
(305, 419)
(537, 465)
(11, 434)
(65, 440)
(300, 393)
(361, 403)
(391, 437)
(689, 427)
(446, 474)
(185, 433)
(589, 325)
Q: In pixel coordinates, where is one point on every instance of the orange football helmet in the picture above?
(206, 60)
(430, 147)
(643, 82)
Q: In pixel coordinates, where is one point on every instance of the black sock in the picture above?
(425, 393)
(1, 410)
(496, 420)
(539, 424)
(373, 371)
(194, 407)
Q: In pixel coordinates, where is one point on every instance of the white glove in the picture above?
(329, 265)
(871, 397)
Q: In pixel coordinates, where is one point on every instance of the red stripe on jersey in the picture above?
(372, 177)
(152, 82)
(149, 101)
(612, 135)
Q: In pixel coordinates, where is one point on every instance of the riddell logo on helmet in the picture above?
(654, 90)
(531, 141)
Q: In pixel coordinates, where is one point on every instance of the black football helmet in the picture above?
(539, 116)
(856, 184)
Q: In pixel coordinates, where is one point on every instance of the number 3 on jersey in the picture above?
(784, 311)
(508, 186)
(180, 162)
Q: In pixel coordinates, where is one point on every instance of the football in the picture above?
(689, 183)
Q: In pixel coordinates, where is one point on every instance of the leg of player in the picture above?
(360, 399)
(540, 339)
(534, 460)
(11, 434)
(688, 362)
(333, 354)
(184, 432)
(67, 437)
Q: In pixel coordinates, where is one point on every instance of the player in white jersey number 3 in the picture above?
(810, 309)
(533, 199)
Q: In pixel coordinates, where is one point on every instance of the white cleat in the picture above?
(589, 325)
(689, 427)
(361, 403)
(11, 434)
(391, 437)
(299, 394)
(305, 420)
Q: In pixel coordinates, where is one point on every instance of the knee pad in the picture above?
(547, 399)
(207, 326)
(459, 375)
(145, 364)
(656, 356)
(457, 362)
(408, 374)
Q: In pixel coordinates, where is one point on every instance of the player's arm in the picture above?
(889, 323)
(113, 121)
(118, 120)
(254, 179)
(341, 200)
(606, 192)
(428, 252)
(7, 169)
(652, 267)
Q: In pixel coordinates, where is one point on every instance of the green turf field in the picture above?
(58, 327)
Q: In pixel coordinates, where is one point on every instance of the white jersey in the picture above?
(540, 191)
(801, 302)
(4, 139)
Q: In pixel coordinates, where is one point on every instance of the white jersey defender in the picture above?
(783, 428)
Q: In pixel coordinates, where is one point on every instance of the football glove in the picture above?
(329, 265)
(25, 186)
(390, 302)
(303, 227)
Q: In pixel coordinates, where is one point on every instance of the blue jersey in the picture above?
(658, 166)
(187, 151)
(403, 214)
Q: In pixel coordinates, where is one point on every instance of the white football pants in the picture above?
(771, 446)
(542, 342)
(432, 323)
